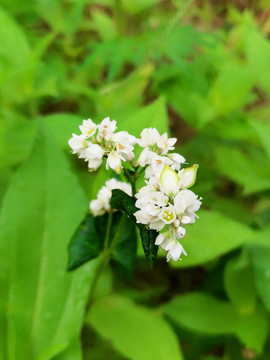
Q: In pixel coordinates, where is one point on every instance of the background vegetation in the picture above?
(200, 69)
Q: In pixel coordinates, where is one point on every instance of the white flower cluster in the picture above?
(155, 153)
(164, 204)
(101, 205)
(98, 141)
(167, 203)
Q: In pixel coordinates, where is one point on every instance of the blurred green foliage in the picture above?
(200, 69)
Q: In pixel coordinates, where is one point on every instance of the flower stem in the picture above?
(105, 256)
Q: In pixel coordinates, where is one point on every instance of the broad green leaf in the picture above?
(63, 126)
(42, 306)
(263, 131)
(260, 256)
(153, 115)
(203, 313)
(211, 236)
(135, 331)
(16, 141)
(122, 98)
(248, 167)
(252, 329)
(121, 201)
(227, 96)
(239, 283)
(14, 47)
(85, 244)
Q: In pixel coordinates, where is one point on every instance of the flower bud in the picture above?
(169, 181)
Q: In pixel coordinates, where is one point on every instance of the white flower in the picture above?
(188, 176)
(114, 162)
(124, 144)
(101, 205)
(106, 129)
(78, 143)
(169, 181)
(167, 214)
(166, 144)
(186, 203)
(149, 137)
(88, 128)
(176, 160)
(168, 243)
(93, 154)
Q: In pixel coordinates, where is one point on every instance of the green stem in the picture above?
(105, 256)
(108, 230)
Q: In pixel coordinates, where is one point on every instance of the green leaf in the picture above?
(260, 256)
(153, 115)
(203, 313)
(42, 306)
(213, 235)
(85, 244)
(14, 45)
(122, 201)
(62, 126)
(239, 283)
(135, 331)
(88, 241)
(263, 131)
(22, 132)
(248, 167)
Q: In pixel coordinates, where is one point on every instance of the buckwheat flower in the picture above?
(93, 154)
(168, 243)
(106, 129)
(186, 203)
(149, 137)
(101, 205)
(88, 128)
(124, 144)
(166, 144)
(169, 181)
(78, 143)
(114, 161)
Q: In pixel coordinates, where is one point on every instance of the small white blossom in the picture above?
(168, 243)
(106, 129)
(101, 205)
(114, 161)
(78, 143)
(186, 203)
(88, 128)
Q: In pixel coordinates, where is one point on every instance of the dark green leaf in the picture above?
(122, 201)
(85, 245)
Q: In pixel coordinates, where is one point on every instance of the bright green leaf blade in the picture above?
(201, 312)
(213, 235)
(14, 47)
(249, 168)
(263, 131)
(252, 329)
(153, 115)
(261, 261)
(239, 283)
(62, 126)
(50, 204)
(85, 244)
(135, 331)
